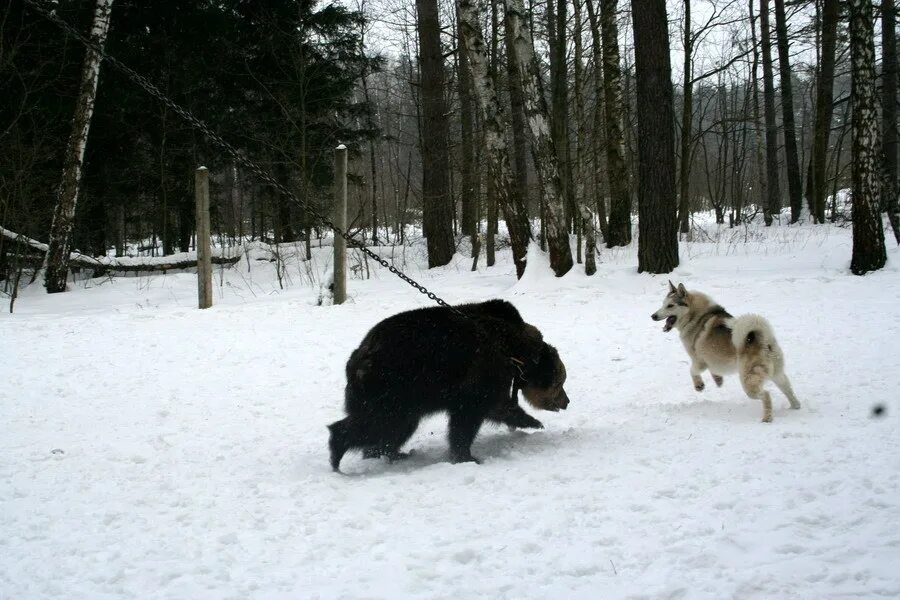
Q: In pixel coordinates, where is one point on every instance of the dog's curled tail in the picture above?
(747, 330)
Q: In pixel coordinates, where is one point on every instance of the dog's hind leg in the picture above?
(763, 395)
(697, 367)
(767, 407)
(784, 384)
(753, 382)
(718, 379)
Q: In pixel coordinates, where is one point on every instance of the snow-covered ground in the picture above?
(151, 450)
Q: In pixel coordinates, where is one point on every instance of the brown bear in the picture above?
(469, 361)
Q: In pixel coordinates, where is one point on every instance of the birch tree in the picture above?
(517, 120)
(57, 260)
(495, 146)
(543, 150)
(469, 219)
(868, 233)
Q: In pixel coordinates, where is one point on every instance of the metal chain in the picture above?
(188, 116)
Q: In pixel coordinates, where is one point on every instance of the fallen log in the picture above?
(102, 266)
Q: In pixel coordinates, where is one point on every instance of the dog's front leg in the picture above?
(697, 367)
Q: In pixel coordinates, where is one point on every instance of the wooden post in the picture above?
(204, 253)
(340, 219)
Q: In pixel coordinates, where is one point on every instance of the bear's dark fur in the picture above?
(433, 360)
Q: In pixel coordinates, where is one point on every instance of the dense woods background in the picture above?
(490, 122)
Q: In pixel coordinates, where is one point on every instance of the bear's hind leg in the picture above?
(464, 426)
(342, 439)
(392, 436)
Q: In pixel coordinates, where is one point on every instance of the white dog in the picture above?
(724, 344)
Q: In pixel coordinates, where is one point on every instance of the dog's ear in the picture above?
(682, 291)
(671, 287)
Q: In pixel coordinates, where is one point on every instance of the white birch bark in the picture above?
(868, 231)
(495, 146)
(543, 150)
(57, 261)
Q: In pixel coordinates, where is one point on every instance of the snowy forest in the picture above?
(402, 217)
(457, 117)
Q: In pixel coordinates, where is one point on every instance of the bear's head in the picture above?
(543, 378)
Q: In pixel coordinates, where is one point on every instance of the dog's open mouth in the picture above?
(670, 323)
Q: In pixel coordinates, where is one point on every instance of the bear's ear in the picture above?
(533, 332)
(530, 344)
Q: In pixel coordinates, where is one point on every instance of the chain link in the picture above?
(188, 116)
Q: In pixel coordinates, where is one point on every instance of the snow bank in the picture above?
(153, 450)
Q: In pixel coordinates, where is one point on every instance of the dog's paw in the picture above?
(718, 379)
(699, 386)
(767, 419)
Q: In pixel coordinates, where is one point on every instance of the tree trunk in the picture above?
(619, 227)
(795, 186)
(437, 204)
(868, 235)
(186, 211)
(121, 234)
(495, 145)
(687, 115)
(492, 218)
(657, 225)
(373, 171)
(57, 260)
(467, 141)
(581, 145)
(761, 175)
(519, 133)
(493, 212)
(543, 150)
(590, 244)
(559, 91)
(285, 233)
(890, 190)
(772, 206)
(824, 107)
(599, 125)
